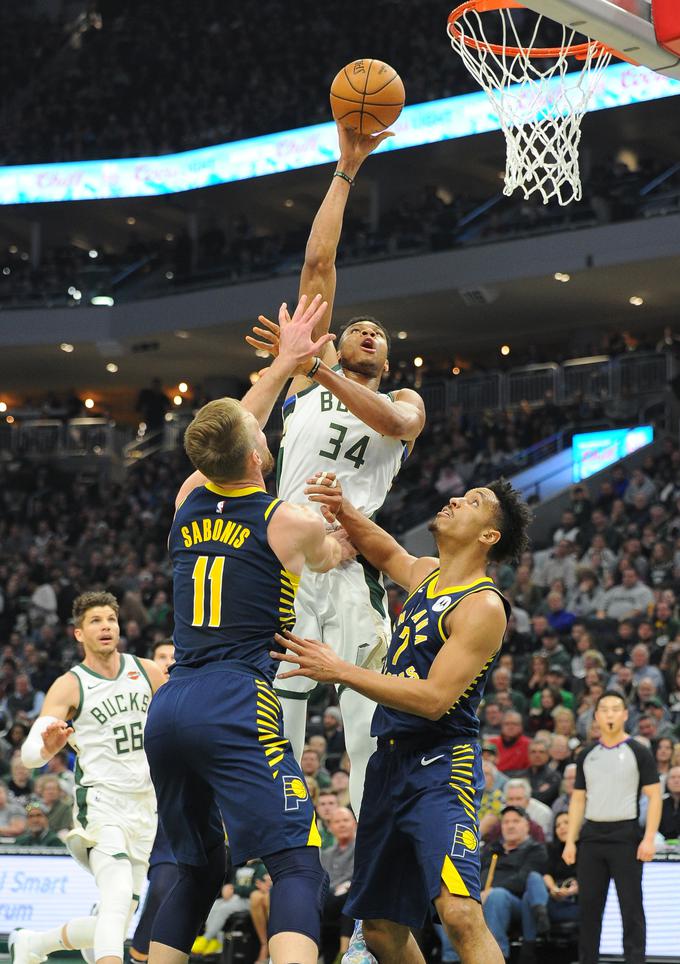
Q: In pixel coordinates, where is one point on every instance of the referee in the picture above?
(609, 777)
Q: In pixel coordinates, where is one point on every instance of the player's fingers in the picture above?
(293, 642)
(283, 314)
(327, 514)
(291, 672)
(265, 333)
(379, 138)
(270, 324)
(260, 345)
(324, 340)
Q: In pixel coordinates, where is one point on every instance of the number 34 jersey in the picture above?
(321, 434)
(109, 728)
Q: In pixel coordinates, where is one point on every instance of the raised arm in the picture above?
(318, 271)
(378, 547)
(50, 732)
(297, 346)
(474, 633)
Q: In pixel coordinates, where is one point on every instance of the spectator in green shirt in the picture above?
(554, 679)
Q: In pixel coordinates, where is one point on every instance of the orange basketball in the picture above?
(367, 96)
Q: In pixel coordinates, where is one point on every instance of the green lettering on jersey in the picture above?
(98, 715)
(326, 401)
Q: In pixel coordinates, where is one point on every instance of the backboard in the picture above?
(646, 31)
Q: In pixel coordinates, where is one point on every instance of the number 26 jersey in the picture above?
(321, 435)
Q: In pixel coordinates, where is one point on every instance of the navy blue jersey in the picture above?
(231, 593)
(416, 641)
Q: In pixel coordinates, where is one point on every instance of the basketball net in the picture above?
(540, 105)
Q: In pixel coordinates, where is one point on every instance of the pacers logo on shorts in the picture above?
(464, 841)
(295, 792)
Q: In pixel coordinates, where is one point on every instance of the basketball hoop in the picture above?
(540, 105)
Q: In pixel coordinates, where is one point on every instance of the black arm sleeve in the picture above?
(580, 779)
(646, 763)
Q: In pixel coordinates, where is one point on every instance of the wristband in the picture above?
(345, 177)
(315, 367)
(31, 748)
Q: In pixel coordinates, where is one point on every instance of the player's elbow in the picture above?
(437, 707)
(319, 256)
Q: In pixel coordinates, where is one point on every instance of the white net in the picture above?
(539, 103)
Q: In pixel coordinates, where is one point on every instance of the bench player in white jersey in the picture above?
(99, 707)
(336, 419)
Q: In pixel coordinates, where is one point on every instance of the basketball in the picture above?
(367, 96)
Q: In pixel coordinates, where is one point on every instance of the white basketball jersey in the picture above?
(321, 434)
(109, 728)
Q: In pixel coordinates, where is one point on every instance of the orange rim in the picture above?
(579, 51)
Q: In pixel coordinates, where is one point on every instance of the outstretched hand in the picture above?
(355, 147)
(291, 339)
(55, 736)
(315, 660)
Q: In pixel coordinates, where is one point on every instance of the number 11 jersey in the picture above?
(321, 434)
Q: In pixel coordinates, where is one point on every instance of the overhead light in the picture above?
(402, 335)
(112, 367)
(131, 221)
(562, 276)
(636, 300)
(254, 377)
(505, 349)
(183, 387)
(75, 294)
(65, 346)
(102, 300)
(169, 236)
(3, 406)
(89, 403)
(169, 275)
(6, 271)
(455, 370)
(10, 420)
(418, 361)
(13, 249)
(177, 400)
(262, 353)
(93, 253)
(289, 203)
(24, 256)
(180, 333)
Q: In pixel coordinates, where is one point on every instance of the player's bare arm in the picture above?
(298, 536)
(318, 272)
(475, 630)
(154, 673)
(50, 732)
(298, 346)
(378, 547)
(403, 418)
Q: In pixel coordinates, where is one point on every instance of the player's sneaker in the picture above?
(358, 952)
(213, 948)
(19, 945)
(199, 945)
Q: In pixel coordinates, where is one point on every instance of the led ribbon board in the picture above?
(593, 451)
(429, 123)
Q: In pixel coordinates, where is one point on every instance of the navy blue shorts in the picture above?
(418, 830)
(217, 754)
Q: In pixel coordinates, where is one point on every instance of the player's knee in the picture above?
(384, 938)
(461, 916)
(298, 894)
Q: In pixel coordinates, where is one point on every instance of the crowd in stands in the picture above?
(596, 608)
(230, 250)
(121, 81)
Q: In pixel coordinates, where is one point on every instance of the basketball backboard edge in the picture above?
(625, 25)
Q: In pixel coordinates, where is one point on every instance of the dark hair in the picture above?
(89, 600)
(513, 517)
(372, 321)
(607, 694)
(161, 642)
